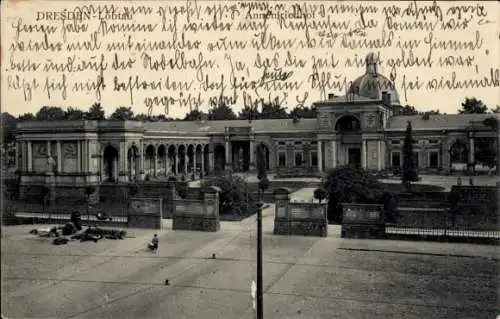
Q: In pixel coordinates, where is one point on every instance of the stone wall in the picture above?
(362, 221)
(201, 215)
(306, 219)
(145, 213)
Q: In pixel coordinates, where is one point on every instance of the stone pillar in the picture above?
(30, 156)
(79, 156)
(18, 150)
(211, 201)
(176, 160)
(49, 153)
(228, 156)
(88, 158)
(282, 220)
(155, 162)
(334, 153)
(167, 162)
(59, 157)
(194, 160)
(84, 156)
(379, 155)
(203, 161)
(211, 159)
(471, 150)
(252, 154)
(186, 161)
(141, 161)
(320, 157)
(363, 154)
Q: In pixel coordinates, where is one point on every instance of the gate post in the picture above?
(282, 222)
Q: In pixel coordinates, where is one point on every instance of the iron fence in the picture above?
(27, 213)
(445, 224)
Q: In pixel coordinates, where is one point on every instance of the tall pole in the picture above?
(260, 302)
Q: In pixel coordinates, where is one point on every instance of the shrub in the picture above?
(234, 193)
(350, 185)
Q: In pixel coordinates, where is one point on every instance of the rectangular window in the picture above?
(415, 158)
(281, 143)
(433, 141)
(415, 142)
(433, 159)
(299, 159)
(282, 159)
(314, 158)
(396, 159)
(298, 143)
(395, 142)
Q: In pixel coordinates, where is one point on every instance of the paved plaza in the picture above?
(304, 277)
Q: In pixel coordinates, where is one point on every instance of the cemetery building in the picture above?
(359, 128)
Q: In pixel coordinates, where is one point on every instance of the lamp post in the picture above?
(263, 184)
(260, 302)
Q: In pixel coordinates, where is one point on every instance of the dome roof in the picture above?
(372, 84)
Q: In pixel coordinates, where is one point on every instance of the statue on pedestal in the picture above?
(51, 164)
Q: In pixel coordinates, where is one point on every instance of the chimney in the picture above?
(331, 96)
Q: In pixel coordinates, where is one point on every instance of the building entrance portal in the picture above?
(354, 156)
(241, 155)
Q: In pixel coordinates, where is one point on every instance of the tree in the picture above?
(249, 113)
(221, 112)
(27, 117)
(406, 110)
(122, 113)
(95, 112)
(409, 162)
(496, 109)
(195, 115)
(8, 123)
(50, 113)
(143, 117)
(473, 106)
(349, 184)
(303, 112)
(320, 194)
(273, 111)
(74, 114)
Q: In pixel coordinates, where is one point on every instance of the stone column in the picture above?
(363, 154)
(194, 160)
(49, 153)
(141, 161)
(84, 156)
(59, 157)
(79, 156)
(186, 161)
(16, 158)
(176, 158)
(320, 156)
(155, 162)
(167, 161)
(228, 157)
(210, 158)
(334, 153)
(471, 150)
(30, 157)
(379, 155)
(88, 158)
(203, 161)
(252, 154)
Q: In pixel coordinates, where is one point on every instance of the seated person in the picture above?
(153, 245)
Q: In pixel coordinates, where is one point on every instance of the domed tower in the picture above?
(373, 84)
